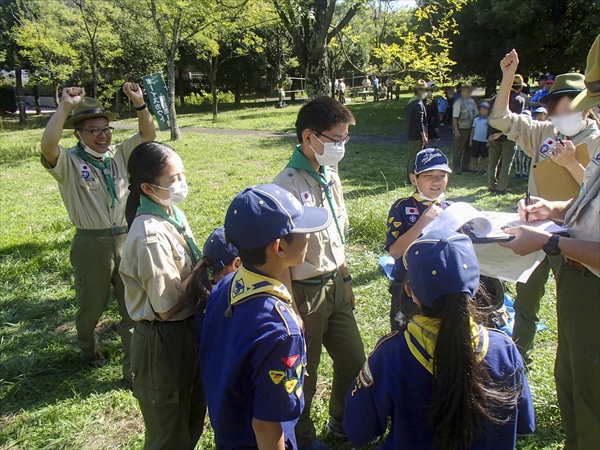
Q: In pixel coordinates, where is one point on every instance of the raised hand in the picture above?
(134, 92)
(509, 63)
(72, 95)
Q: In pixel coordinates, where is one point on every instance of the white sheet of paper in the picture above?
(504, 264)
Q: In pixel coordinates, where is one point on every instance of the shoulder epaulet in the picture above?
(287, 175)
(288, 317)
(365, 376)
(400, 201)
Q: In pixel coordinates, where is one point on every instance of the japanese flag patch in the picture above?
(411, 211)
(306, 198)
(86, 172)
(546, 146)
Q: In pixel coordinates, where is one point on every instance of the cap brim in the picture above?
(70, 123)
(584, 101)
(559, 93)
(313, 220)
(442, 167)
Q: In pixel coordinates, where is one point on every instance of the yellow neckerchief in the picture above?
(247, 283)
(420, 199)
(421, 335)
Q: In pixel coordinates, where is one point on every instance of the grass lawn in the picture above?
(50, 399)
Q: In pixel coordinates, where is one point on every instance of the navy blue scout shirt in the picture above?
(252, 359)
(396, 382)
(403, 215)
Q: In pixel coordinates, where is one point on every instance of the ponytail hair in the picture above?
(145, 165)
(464, 397)
(200, 284)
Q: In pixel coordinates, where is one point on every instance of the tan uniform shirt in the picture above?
(583, 218)
(155, 260)
(325, 249)
(538, 138)
(84, 190)
(465, 111)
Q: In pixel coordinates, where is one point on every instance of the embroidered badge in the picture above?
(412, 219)
(548, 144)
(365, 376)
(397, 224)
(387, 229)
(290, 360)
(276, 376)
(411, 210)
(391, 219)
(179, 248)
(299, 392)
(290, 384)
(299, 370)
(306, 198)
(395, 233)
(238, 287)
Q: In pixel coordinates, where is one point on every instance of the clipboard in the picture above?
(486, 239)
(556, 183)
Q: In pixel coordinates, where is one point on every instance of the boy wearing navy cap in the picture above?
(252, 348)
(223, 256)
(445, 382)
(408, 217)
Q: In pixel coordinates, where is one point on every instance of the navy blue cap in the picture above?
(218, 249)
(261, 214)
(430, 159)
(441, 262)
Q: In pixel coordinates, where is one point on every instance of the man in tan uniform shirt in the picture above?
(93, 182)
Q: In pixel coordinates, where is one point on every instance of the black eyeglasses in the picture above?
(335, 141)
(98, 131)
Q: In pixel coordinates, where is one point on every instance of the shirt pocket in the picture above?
(91, 182)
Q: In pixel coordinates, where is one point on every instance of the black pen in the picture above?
(527, 201)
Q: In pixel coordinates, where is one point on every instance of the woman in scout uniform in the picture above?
(541, 140)
(464, 111)
(577, 369)
(159, 253)
(92, 179)
(446, 382)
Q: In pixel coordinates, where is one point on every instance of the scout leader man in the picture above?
(321, 286)
(92, 179)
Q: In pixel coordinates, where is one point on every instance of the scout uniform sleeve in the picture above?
(158, 273)
(522, 129)
(456, 108)
(278, 380)
(395, 226)
(525, 409)
(368, 402)
(61, 171)
(129, 144)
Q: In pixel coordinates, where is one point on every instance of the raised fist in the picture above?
(509, 63)
(134, 92)
(72, 95)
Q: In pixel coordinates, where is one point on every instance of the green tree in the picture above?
(311, 27)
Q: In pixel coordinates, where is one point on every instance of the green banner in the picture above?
(159, 99)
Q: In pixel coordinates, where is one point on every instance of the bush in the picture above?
(203, 97)
(8, 99)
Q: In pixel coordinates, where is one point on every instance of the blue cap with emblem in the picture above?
(218, 249)
(261, 214)
(441, 262)
(430, 159)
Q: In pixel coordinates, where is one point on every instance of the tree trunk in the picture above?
(180, 87)
(19, 92)
(118, 103)
(175, 133)
(56, 87)
(238, 94)
(316, 82)
(490, 85)
(36, 97)
(213, 64)
(94, 69)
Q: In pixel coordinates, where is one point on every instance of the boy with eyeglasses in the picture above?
(93, 180)
(322, 285)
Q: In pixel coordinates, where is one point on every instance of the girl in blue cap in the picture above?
(446, 382)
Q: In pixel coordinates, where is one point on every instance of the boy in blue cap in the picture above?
(252, 348)
(445, 382)
(408, 217)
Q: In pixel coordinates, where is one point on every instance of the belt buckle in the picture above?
(115, 230)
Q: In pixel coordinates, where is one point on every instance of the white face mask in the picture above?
(178, 192)
(89, 150)
(568, 124)
(332, 153)
(424, 95)
(439, 197)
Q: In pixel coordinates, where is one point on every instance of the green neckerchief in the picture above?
(299, 161)
(147, 206)
(104, 167)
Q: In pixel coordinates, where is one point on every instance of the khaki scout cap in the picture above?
(590, 96)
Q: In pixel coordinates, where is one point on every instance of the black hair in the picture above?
(200, 283)
(464, 396)
(255, 257)
(145, 165)
(322, 114)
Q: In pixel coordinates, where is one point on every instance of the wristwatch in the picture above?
(551, 247)
(141, 108)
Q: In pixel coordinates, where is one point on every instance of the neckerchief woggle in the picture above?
(104, 167)
(421, 336)
(147, 206)
(299, 161)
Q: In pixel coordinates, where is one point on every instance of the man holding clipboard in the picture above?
(555, 169)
